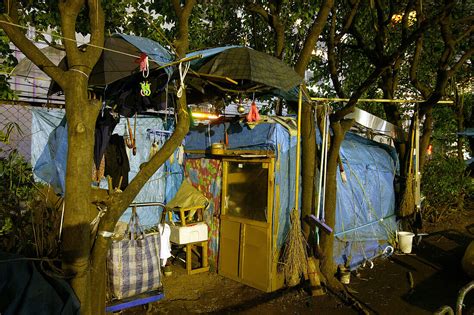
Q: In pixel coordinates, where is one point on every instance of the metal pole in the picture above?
(298, 136)
(323, 158)
(374, 100)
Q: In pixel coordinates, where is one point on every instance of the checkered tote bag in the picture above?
(133, 264)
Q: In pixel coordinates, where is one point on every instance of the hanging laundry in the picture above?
(153, 150)
(126, 93)
(253, 115)
(181, 155)
(104, 127)
(116, 161)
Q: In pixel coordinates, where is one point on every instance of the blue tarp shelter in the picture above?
(365, 212)
(49, 154)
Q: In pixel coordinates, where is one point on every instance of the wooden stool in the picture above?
(203, 258)
(185, 211)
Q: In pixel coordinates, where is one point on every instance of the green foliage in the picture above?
(445, 183)
(27, 225)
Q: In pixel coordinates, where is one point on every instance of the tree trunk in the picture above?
(118, 202)
(328, 267)
(81, 117)
(308, 143)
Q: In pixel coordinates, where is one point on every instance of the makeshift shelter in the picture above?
(257, 194)
(49, 153)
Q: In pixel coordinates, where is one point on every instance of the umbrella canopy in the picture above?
(119, 59)
(253, 70)
(29, 82)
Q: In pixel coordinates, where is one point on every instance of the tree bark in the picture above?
(308, 143)
(328, 267)
(183, 13)
(81, 116)
(313, 36)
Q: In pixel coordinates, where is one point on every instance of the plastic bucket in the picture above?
(405, 241)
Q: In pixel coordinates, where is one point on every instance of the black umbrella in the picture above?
(251, 69)
(119, 59)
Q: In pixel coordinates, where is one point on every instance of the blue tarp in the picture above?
(264, 136)
(365, 220)
(26, 289)
(154, 50)
(365, 209)
(49, 153)
(240, 136)
(206, 54)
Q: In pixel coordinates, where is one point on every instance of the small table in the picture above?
(189, 258)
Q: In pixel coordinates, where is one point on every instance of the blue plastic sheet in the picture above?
(154, 50)
(51, 167)
(365, 219)
(365, 209)
(240, 136)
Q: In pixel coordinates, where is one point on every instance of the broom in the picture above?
(295, 258)
(407, 205)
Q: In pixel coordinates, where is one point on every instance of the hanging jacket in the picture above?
(116, 161)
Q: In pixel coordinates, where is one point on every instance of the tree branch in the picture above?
(274, 21)
(260, 11)
(312, 37)
(348, 19)
(465, 34)
(467, 55)
(362, 45)
(97, 21)
(32, 52)
(183, 13)
(332, 63)
(158, 159)
(420, 86)
(69, 11)
(349, 108)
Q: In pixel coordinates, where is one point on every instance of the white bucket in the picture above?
(405, 241)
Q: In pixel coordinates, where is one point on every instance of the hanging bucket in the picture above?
(405, 241)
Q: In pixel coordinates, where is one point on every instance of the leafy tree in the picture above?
(83, 262)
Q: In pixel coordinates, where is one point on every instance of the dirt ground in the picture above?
(434, 267)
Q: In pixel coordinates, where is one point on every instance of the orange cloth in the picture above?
(253, 115)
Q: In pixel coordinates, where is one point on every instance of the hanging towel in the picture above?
(253, 115)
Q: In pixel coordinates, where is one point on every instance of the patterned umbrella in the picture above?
(251, 69)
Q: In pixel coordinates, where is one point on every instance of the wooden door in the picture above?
(245, 233)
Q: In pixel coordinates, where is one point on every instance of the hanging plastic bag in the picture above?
(253, 115)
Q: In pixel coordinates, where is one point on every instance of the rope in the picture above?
(81, 72)
(78, 42)
(182, 76)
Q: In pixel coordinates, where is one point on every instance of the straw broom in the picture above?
(295, 258)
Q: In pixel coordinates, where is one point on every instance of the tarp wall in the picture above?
(49, 151)
(365, 220)
(264, 136)
(365, 210)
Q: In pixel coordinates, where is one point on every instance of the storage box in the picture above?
(189, 234)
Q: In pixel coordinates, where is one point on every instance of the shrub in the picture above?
(445, 183)
(27, 225)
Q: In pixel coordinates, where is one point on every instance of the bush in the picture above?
(445, 183)
(27, 225)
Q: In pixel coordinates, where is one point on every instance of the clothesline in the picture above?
(375, 100)
(186, 59)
